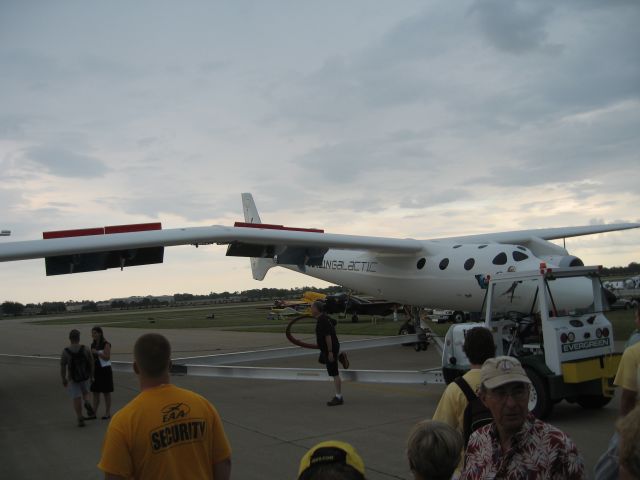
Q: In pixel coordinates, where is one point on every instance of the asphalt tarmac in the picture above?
(270, 424)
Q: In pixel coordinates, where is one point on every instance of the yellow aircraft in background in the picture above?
(285, 308)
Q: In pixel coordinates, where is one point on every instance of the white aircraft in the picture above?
(447, 272)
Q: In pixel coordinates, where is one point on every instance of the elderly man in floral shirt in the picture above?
(516, 445)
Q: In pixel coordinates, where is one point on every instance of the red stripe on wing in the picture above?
(82, 232)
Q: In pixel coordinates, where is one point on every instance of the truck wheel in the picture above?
(540, 403)
(592, 401)
(458, 317)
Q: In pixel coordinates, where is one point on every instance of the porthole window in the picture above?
(482, 246)
(421, 263)
(500, 259)
(468, 265)
(444, 263)
(519, 256)
(521, 248)
(457, 246)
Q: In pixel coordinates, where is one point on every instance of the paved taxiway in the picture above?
(270, 423)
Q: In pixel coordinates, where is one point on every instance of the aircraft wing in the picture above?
(521, 237)
(97, 250)
(123, 246)
(537, 240)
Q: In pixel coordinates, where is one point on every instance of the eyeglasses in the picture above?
(520, 392)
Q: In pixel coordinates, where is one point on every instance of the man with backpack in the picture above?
(76, 370)
(460, 406)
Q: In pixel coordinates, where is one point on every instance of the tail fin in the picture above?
(259, 266)
(250, 210)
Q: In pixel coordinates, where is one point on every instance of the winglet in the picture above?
(259, 266)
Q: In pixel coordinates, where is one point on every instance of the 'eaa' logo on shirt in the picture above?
(175, 411)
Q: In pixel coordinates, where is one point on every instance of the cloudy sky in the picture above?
(414, 119)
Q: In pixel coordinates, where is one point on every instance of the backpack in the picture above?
(79, 366)
(476, 414)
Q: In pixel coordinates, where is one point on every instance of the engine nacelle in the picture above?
(562, 260)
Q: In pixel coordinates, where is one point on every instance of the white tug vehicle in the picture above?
(563, 340)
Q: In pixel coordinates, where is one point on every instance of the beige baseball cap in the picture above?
(502, 370)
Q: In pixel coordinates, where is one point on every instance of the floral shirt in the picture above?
(538, 451)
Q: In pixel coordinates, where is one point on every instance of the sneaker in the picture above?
(335, 401)
(90, 412)
(81, 422)
(344, 360)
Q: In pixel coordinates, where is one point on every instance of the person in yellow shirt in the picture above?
(478, 347)
(166, 431)
(627, 375)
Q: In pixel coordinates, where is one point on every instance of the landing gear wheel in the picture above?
(407, 329)
(592, 401)
(458, 317)
(540, 403)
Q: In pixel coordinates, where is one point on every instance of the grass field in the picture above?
(245, 317)
(252, 317)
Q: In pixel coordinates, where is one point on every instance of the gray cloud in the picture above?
(349, 161)
(422, 68)
(514, 26)
(439, 196)
(65, 163)
(14, 125)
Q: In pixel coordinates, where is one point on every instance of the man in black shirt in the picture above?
(329, 346)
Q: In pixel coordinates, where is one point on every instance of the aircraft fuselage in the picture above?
(450, 278)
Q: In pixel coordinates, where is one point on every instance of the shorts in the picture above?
(332, 369)
(77, 389)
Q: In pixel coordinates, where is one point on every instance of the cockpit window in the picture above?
(444, 263)
(482, 246)
(468, 265)
(519, 256)
(457, 246)
(500, 259)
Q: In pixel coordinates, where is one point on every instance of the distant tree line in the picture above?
(47, 308)
(630, 270)
(256, 294)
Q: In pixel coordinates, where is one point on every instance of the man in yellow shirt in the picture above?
(478, 347)
(627, 376)
(166, 431)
